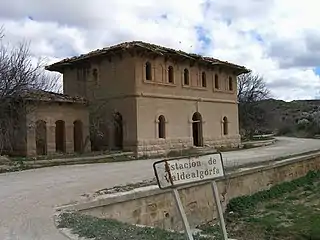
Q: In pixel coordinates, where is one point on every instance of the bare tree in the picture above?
(21, 78)
(251, 89)
(100, 126)
(1, 32)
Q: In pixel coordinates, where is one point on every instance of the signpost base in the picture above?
(182, 214)
(219, 210)
(172, 173)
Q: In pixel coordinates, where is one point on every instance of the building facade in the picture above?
(49, 124)
(151, 99)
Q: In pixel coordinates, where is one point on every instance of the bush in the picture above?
(285, 130)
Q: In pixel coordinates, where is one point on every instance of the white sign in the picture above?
(176, 172)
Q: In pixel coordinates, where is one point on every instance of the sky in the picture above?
(277, 39)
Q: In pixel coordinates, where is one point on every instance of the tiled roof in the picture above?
(147, 46)
(46, 96)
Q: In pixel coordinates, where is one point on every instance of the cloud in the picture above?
(277, 39)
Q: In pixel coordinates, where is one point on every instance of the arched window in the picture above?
(162, 126)
(186, 76)
(170, 74)
(225, 126)
(230, 84)
(216, 81)
(148, 71)
(197, 129)
(203, 79)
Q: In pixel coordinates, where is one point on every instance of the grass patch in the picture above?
(107, 229)
(288, 211)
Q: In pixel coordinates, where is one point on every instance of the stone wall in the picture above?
(163, 146)
(154, 207)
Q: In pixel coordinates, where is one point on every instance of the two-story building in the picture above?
(151, 99)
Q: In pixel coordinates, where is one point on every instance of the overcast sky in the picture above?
(279, 39)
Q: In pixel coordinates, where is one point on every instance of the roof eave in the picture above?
(57, 67)
(60, 66)
(238, 69)
(82, 102)
(243, 71)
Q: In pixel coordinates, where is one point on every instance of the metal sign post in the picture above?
(176, 172)
(182, 214)
(219, 210)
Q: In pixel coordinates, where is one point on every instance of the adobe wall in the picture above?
(110, 92)
(177, 102)
(50, 113)
(127, 107)
(160, 83)
(121, 86)
(178, 112)
(154, 207)
(114, 79)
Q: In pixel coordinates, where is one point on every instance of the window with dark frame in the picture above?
(170, 74)
(216, 81)
(148, 71)
(225, 126)
(186, 77)
(203, 79)
(161, 127)
(230, 84)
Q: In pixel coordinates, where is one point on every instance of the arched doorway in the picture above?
(41, 137)
(78, 136)
(197, 129)
(60, 136)
(118, 130)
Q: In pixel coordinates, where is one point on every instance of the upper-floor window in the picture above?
(216, 81)
(95, 75)
(203, 79)
(82, 74)
(230, 84)
(186, 77)
(170, 74)
(148, 71)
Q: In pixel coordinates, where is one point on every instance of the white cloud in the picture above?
(277, 39)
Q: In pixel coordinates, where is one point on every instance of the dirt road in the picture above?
(27, 198)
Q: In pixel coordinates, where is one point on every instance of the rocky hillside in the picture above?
(298, 118)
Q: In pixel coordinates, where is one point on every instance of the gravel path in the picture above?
(28, 198)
